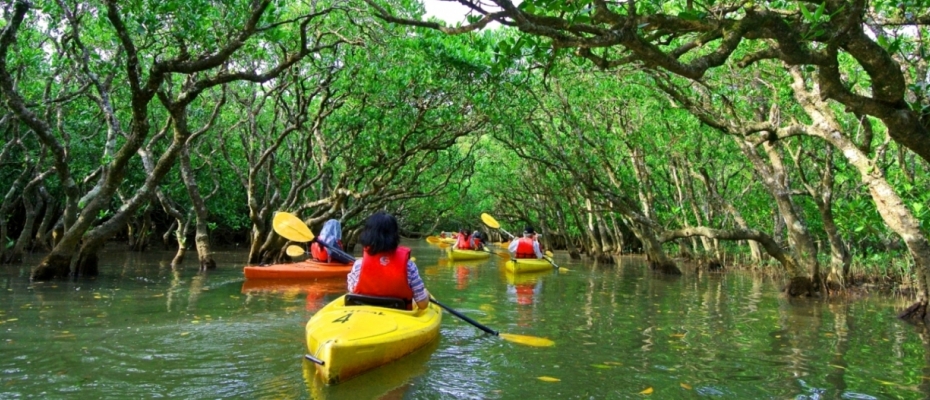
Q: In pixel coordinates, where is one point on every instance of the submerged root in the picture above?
(916, 314)
(668, 268)
(800, 286)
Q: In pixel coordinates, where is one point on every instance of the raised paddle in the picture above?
(290, 227)
(295, 251)
(492, 223)
(510, 337)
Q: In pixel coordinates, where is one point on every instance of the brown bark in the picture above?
(774, 176)
(769, 244)
(822, 195)
(32, 202)
(896, 215)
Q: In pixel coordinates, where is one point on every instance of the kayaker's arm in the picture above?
(422, 305)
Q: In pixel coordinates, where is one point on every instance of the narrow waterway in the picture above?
(144, 330)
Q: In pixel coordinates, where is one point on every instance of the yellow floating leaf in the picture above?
(159, 295)
(589, 343)
(549, 379)
(601, 366)
(185, 333)
(486, 307)
(647, 390)
(195, 322)
(678, 335)
(612, 363)
(685, 386)
(837, 366)
(12, 319)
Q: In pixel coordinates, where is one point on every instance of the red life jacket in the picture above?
(462, 242)
(385, 275)
(525, 248)
(319, 253)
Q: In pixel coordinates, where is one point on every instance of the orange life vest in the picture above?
(319, 253)
(385, 274)
(525, 248)
(462, 242)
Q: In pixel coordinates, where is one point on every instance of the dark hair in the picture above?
(380, 233)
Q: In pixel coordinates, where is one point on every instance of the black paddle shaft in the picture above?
(464, 318)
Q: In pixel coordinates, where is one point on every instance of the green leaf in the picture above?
(819, 12)
(806, 13)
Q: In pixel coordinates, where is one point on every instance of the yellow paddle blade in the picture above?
(291, 228)
(548, 253)
(294, 251)
(490, 221)
(527, 340)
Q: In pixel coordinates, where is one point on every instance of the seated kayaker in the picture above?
(464, 241)
(385, 269)
(331, 237)
(525, 247)
(478, 239)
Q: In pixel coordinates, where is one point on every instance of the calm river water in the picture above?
(144, 330)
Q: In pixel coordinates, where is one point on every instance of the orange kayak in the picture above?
(302, 270)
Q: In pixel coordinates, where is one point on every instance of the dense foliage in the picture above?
(769, 133)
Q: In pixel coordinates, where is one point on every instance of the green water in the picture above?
(144, 330)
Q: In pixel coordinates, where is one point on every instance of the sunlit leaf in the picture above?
(601, 366)
(647, 390)
(185, 333)
(549, 379)
(685, 386)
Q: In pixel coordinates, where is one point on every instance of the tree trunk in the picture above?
(896, 215)
(774, 176)
(769, 244)
(202, 237)
(30, 192)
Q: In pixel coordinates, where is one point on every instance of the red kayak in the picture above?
(302, 270)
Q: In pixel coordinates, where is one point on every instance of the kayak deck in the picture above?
(349, 340)
(302, 270)
(528, 264)
(460, 254)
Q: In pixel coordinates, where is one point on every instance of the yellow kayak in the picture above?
(528, 264)
(462, 255)
(345, 341)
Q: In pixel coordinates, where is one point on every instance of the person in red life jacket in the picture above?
(465, 241)
(330, 236)
(527, 246)
(478, 239)
(385, 269)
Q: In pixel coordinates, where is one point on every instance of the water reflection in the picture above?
(315, 290)
(390, 381)
(144, 329)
